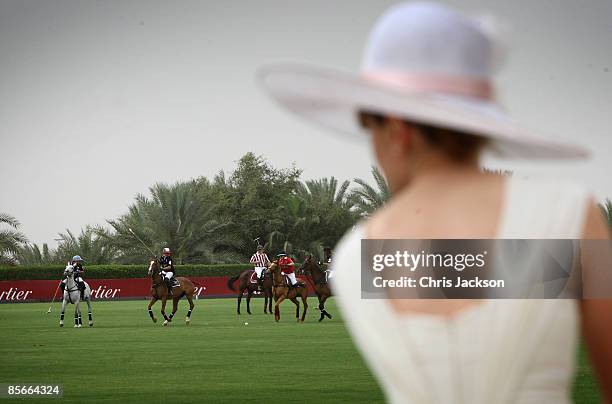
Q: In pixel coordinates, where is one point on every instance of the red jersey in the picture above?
(285, 264)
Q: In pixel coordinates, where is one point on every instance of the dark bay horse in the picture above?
(281, 292)
(159, 291)
(245, 284)
(311, 268)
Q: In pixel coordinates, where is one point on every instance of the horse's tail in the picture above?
(230, 282)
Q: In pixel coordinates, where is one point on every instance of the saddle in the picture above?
(325, 279)
(288, 284)
(253, 278)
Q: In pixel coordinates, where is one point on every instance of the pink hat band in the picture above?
(433, 83)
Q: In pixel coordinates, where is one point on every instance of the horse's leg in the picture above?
(151, 303)
(163, 309)
(265, 302)
(89, 311)
(323, 306)
(240, 292)
(77, 313)
(279, 300)
(191, 306)
(62, 314)
(249, 294)
(304, 297)
(297, 308)
(175, 301)
(270, 301)
(76, 316)
(80, 317)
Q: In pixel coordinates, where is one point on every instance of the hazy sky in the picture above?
(101, 99)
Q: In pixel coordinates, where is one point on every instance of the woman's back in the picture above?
(459, 205)
(468, 351)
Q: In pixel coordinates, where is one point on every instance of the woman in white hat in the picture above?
(425, 97)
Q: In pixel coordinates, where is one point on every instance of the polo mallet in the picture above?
(141, 242)
(53, 300)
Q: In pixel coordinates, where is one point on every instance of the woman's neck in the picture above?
(434, 169)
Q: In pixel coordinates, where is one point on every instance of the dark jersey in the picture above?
(78, 269)
(165, 262)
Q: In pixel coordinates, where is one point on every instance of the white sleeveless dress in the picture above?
(499, 351)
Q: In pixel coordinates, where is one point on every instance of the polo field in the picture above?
(221, 358)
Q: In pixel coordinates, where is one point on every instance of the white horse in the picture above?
(72, 294)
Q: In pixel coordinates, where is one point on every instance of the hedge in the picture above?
(116, 271)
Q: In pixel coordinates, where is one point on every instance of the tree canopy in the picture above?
(222, 219)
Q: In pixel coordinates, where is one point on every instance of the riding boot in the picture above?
(260, 283)
(63, 287)
(169, 286)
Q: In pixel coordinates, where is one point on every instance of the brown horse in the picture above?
(159, 291)
(311, 268)
(245, 283)
(282, 291)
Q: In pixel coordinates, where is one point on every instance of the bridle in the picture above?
(70, 274)
(309, 262)
(275, 283)
(153, 273)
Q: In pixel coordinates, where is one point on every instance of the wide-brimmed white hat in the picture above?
(425, 63)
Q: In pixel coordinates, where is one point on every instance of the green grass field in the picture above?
(127, 358)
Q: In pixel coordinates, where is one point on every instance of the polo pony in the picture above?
(72, 295)
(319, 279)
(159, 291)
(283, 291)
(247, 281)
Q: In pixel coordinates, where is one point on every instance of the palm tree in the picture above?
(316, 214)
(11, 239)
(31, 254)
(367, 199)
(175, 216)
(324, 190)
(606, 211)
(90, 244)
